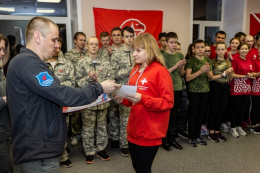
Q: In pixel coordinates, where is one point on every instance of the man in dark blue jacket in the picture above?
(35, 98)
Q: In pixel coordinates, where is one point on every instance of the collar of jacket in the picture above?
(90, 61)
(74, 50)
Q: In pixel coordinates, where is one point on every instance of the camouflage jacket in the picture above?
(122, 61)
(103, 54)
(103, 68)
(64, 71)
(74, 56)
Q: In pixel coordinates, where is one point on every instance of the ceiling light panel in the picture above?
(44, 10)
(8, 9)
(49, 1)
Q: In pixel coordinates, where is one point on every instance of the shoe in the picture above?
(90, 159)
(183, 134)
(66, 163)
(177, 136)
(220, 137)
(166, 146)
(224, 127)
(114, 144)
(103, 155)
(68, 151)
(213, 137)
(228, 124)
(125, 152)
(205, 130)
(201, 141)
(192, 142)
(255, 130)
(74, 141)
(233, 132)
(202, 132)
(243, 124)
(176, 145)
(248, 121)
(240, 131)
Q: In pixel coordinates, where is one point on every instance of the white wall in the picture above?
(233, 18)
(253, 6)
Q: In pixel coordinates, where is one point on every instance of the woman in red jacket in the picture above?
(150, 107)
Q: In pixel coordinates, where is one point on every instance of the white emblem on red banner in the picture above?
(240, 85)
(136, 24)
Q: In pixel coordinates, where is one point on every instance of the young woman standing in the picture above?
(150, 107)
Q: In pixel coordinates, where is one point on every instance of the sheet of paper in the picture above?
(126, 89)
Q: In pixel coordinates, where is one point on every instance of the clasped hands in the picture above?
(181, 63)
(205, 68)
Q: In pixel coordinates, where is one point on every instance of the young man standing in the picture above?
(162, 41)
(175, 63)
(63, 69)
(116, 37)
(104, 40)
(220, 36)
(122, 62)
(74, 55)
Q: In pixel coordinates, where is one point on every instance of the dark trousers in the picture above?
(5, 161)
(228, 110)
(218, 99)
(197, 106)
(238, 107)
(206, 114)
(174, 117)
(182, 124)
(142, 157)
(255, 113)
(247, 111)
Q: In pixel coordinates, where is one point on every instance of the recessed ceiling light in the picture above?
(42, 10)
(8, 9)
(50, 1)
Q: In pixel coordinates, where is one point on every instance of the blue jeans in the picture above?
(46, 165)
(5, 161)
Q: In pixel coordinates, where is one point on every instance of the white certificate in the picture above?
(126, 89)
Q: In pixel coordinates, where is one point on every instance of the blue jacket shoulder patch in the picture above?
(44, 79)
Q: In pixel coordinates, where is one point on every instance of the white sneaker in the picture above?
(233, 132)
(240, 131)
(74, 141)
(224, 127)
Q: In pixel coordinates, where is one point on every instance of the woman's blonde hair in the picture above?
(147, 41)
(6, 51)
(216, 61)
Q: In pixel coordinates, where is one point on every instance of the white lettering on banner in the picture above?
(241, 86)
(143, 81)
(256, 86)
(136, 24)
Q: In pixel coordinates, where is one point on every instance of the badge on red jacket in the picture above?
(44, 79)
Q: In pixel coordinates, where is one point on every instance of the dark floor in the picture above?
(234, 156)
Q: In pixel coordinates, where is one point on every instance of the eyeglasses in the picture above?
(207, 51)
(92, 44)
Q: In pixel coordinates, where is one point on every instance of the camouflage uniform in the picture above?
(95, 115)
(121, 62)
(74, 56)
(103, 53)
(64, 71)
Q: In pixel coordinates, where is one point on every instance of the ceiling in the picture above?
(28, 8)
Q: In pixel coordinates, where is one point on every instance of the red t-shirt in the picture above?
(233, 55)
(256, 82)
(241, 86)
(213, 54)
(253, 52)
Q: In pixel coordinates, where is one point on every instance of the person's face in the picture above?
(242, 39)
(12, 42)
(257, 42)
(199, 49)
(162, 42)
(58, 49)
(116, 37)
(172, 44)
(139, 55)
(178, 48)
(50, 43)
(243, 50)
(80, 41)
(105, 41)
(128, 38)
(2, 49)
(249, 41)
(221, 50)
(234, 44)
(207, 51)
(93, 45)
(220, 38)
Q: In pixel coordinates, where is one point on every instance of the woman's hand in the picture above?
(229, 56)
(250, 76)
(229, 70)
(119, 99)
(134, 99)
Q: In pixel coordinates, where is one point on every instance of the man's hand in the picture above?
(109, 86)
(5, 99)
(110, 51)
(119, 99)
(93, 76)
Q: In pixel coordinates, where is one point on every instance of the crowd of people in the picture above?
(212, 88)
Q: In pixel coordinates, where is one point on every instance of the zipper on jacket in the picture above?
(129, 58)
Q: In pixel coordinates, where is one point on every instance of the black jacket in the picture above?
(35, 98)
(5, 126)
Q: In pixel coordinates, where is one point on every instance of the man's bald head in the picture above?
(40, 24)
(249, 39)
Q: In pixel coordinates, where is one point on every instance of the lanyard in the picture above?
(138, 76)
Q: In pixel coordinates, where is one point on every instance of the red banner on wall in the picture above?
(140, 21)
(254, 23)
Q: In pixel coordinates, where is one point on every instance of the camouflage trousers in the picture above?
(118, 119)
(90, 120)
(75, 125)
(64, 155)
